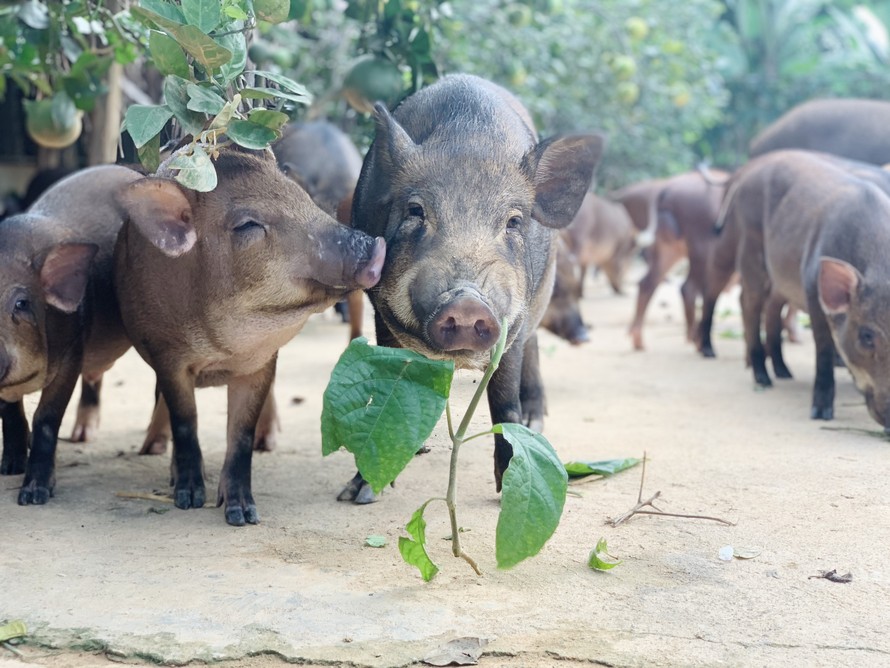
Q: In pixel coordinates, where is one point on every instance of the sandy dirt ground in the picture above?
(99, 578)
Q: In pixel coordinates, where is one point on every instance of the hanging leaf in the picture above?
(204, 14)
(381, 404)
(532, 498)
(177, 98)
(167, 55)
(287, 84)
(273, 11)
(146, 121)
(195, 170)
(237, 44)
(273, 120)
(250, 135)
(413, 550)
(162, 8)
(150, 154)
(581, 468)
(204, 99)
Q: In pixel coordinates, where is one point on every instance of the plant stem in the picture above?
(457, 439)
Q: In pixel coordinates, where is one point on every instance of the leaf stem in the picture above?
(458, 439)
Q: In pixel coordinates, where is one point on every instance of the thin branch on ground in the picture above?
(641, 504)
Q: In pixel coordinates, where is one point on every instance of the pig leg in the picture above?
(664, 256)
(754, 292)
(505, 405)
(773, 323)
(40, 478)
(87, 423)
(614, 270)
(247, 396)
(355, 301)
(267, 425)
(15, 438)
(186, 465)
(159, 433)
(531, 387)
(689, 292)
(823, 387)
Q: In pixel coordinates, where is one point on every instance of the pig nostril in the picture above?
(483, 329)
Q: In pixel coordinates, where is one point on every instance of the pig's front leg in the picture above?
(15, 438)
(531, 387)
(247, 395)
(823, 387)
(505, 405)
(40, 471)
(186, 465)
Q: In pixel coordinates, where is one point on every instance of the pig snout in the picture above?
(5, 362)
(368, 275)
(464, 323)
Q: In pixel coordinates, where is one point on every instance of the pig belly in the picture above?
(785, 273)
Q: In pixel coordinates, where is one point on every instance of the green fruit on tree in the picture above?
(283, 58)
(372, 79)
(519, 15)
(624, 67)
(628, 92)
(673, 47)
(682, 97)
(53, 122)
(636, 27)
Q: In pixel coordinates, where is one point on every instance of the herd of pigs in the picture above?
(459, 223)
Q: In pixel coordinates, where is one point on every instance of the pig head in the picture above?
(211, 285)
(469, 203)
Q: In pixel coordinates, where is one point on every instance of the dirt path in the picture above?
(94, 575)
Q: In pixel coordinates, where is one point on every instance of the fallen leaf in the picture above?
(375, 541)
(746, 552)
(15, 629)
(457, 652)
(296, 401)
(833, 576)
(144, 497)
(600, 559)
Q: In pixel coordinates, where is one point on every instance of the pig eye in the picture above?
(866, 338)
(415, 211)
(21, 305)
(514, 223)
(248, 226)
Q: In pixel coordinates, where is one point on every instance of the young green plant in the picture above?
(383, 403)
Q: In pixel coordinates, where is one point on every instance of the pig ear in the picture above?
(64, 275)
(838, 281)
(563, 169)
(394, 142)
(162, 213)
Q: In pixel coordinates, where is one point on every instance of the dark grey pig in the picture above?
(59, 318)
(211, 285)
(469, 202)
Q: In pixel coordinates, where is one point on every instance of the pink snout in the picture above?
(368, 275)
(464, 324)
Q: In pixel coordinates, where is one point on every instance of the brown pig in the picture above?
(818, 236)
(602, 235)
(59, 317)
(563, 314)
(469, 203)
(211, 285)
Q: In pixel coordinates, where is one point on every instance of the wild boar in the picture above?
(469, 203)
(60, 318)
(211, 285)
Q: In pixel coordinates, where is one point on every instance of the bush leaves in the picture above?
(581, 468)
(413, 550)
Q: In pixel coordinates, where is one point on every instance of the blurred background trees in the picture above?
(669, 83)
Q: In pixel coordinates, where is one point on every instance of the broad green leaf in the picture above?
(381, 404)
(226, 114)
(581, 468)
(204, 99)
(146, 121)
(375, 541)
(250, 135)
(258, 93)
(273, 120)
(164, 9)
(204, 14)
(235, 12)
(532, 498)
(202, 48)
(286, 83)
(194, 170)
(150, 154)
(414, 551)
(237, 44)
(63, 110)
(600, 559)
(273, 11)
(14, 629)
(165, 19)
(167, 55)
(177, 98)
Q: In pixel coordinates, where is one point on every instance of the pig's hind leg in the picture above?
(505, 404)
(531, 387)
(87, 422)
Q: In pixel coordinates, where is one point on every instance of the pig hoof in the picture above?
(189, 498)
(763, 380)
(34, 494)
(157, 446)
(365, 495)
(708, 352)
(12, 466)
(782, 372)
(86, 426)
(238, 516)
(822, 413)
(264, 443)
(352, 488)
